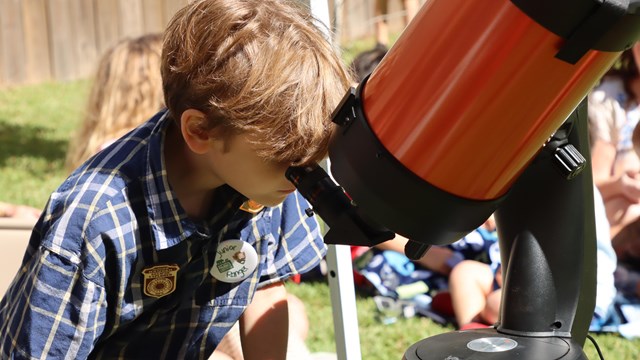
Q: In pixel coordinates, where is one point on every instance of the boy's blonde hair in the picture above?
(260, 67)
(126, 91)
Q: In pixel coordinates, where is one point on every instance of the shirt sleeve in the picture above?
(604, 114)
(51, 309)
(297, 245)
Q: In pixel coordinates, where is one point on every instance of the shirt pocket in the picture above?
(216, 293)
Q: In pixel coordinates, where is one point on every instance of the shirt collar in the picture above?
(169, 222)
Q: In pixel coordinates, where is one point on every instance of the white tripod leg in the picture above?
(343, 302)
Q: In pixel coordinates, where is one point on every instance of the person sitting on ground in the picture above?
(158, 244)
(613, 115)
(628, 251)
(476, 287)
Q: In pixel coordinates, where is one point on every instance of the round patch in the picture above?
(158, 287)
(235, 261)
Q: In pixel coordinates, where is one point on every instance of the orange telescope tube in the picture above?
(433, 140)
(464, 100)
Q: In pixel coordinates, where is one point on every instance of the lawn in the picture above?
(35, 125)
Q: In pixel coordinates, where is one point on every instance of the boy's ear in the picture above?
(197, 135)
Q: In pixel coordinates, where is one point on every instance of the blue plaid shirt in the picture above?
(80, 290)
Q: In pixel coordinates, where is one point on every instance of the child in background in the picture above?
(613, 115)
(126, 91)
(157, 245)
(613, 118)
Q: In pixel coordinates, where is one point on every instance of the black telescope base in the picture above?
(490, 344)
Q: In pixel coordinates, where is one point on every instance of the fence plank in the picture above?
(12, 52)
(36, 36)
(131, 20)
(3, 49)
(86, 48)
(153, 16)
(62, 40)
(107, 20)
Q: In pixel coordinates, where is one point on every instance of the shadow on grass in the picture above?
(28, 141)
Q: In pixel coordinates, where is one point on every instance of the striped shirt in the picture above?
(80, 292)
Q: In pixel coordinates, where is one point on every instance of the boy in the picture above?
(152, 248)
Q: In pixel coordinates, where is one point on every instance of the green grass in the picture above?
(351, 49)
(35, 125)
(386, 342)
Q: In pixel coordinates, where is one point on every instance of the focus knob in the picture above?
(569, 161)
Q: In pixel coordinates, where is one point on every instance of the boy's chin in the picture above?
(268, 200)
(272, 202)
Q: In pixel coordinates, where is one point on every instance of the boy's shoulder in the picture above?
(112, 184)
(92, 189)
(119, 168)
(70, 212)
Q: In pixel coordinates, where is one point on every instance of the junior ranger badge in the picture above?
(160, 280)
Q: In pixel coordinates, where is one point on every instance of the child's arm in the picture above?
(264, 324)
(19, 211)
(51, 308)
(436, 259)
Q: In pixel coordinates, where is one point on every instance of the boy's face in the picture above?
(235, 162)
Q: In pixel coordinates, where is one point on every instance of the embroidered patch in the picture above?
(251, 206)
(160, 280)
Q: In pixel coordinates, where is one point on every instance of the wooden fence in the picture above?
(355, 19)
(42, 40)
(62, 40)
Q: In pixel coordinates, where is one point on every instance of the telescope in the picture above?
(477, 109)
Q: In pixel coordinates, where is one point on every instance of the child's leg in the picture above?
(626, 236)
(230, 347)
(491, 312)
(470, 283)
